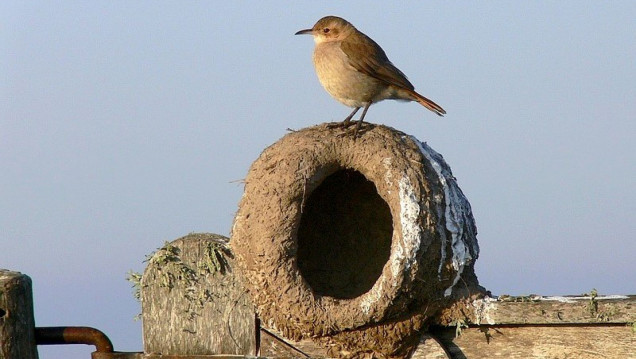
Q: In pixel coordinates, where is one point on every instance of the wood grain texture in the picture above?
(17, 339)
(554, 342)
(190, 308)
(541, 310)
(559, 310)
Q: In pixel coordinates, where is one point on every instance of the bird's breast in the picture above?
(341, 80)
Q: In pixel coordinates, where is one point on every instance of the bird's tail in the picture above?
(428, 103)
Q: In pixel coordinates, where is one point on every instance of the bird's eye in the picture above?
(325, 30)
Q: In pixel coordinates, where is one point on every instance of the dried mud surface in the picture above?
(337, 235)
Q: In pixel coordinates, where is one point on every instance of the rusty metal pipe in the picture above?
(73, 335)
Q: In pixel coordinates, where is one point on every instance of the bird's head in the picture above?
(329, 28)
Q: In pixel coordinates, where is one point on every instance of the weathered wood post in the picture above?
(353, 242)
(17, 326)
(194, 303)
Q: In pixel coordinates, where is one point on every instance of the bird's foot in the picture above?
(341, 125)
(349, 130)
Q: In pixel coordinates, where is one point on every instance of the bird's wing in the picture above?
(370, 59)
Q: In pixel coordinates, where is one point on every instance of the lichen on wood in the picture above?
(192, 300)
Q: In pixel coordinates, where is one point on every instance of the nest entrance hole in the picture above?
(344, 238)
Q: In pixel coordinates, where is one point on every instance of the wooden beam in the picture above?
(588, 326)
(617, 309)
(581, 342)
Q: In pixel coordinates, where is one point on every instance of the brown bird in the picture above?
(355, 70)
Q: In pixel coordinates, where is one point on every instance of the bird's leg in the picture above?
(364, 112)
(346, 121)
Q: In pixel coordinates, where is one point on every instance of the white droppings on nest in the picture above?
(457, 213)
(409, 243)
(404, 253)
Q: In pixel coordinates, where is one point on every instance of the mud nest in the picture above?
(335, 233)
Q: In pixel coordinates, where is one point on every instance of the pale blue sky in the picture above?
(124, 124)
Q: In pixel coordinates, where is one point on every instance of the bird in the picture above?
(355, 70)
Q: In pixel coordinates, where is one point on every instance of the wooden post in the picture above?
(194, 303)
(17, 339)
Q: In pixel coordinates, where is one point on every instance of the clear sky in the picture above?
(125, 124)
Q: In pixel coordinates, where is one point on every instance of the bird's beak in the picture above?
(305, 32)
